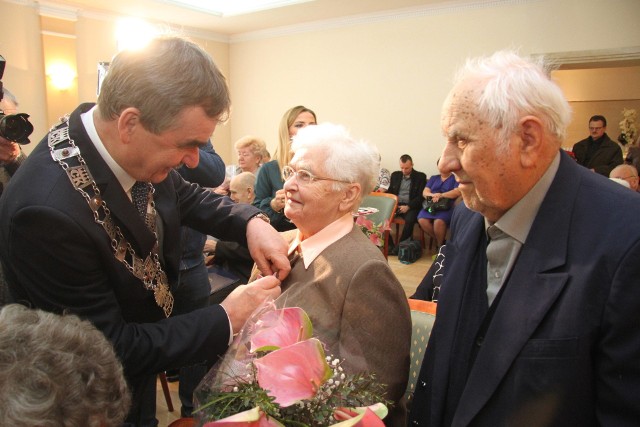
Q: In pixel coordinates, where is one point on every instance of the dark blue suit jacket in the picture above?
(563, 347)
(58, 259)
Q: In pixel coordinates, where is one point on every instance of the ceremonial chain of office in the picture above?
(149, 270)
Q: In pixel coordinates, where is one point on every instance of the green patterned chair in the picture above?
(423, 314)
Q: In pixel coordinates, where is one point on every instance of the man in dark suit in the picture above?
(537, 320)
(407, 184)
(77, 236)
(598, 152)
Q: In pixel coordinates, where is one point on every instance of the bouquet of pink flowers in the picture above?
(277, 374)
(375, 232)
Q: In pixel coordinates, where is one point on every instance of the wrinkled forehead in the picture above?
(461, 104)
(309, 158)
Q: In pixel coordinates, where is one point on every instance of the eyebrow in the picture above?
(192, 143)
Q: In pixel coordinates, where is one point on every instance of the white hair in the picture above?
(514, 86)
(345, 158)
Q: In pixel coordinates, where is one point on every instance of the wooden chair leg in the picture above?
(165, 390)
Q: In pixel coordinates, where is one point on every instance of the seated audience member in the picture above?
(407, 184)
(384, 180)
(231, 256)
(598, 152)
(338, 276)
(58, 371)
(429, 287)
(269, 193)
(250, 151)
(627, 173)
(435, 223)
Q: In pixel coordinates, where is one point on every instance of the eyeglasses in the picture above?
(304, 176)
(630, 176)
(594, 129)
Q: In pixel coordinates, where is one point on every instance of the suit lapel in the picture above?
(122, 210)
(531, 290)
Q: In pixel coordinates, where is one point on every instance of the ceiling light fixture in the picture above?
(230, 8)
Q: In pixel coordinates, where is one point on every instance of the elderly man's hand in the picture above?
(244, 299)
(9, 151)
(268, 248)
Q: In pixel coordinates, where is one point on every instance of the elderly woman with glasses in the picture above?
(357, 306)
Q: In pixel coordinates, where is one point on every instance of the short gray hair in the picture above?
(168, 75)
(58, 371)
(514, 86)
(346, 158)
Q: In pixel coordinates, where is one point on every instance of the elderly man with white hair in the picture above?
(357, 306)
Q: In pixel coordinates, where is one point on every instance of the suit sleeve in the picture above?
(79, 275)
(618, 353)
(210, 171)
(421, 182)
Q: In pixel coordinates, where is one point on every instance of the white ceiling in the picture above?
(317, 10)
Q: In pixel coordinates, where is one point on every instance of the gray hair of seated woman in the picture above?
(58, 371)
(345, 158)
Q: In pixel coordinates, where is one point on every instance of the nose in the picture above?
(192, 158)
(289, 183)
(450, 159)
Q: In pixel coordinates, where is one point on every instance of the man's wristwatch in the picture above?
(262, 216)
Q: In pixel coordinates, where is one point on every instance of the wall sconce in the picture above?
(61, 75)
(134, 34)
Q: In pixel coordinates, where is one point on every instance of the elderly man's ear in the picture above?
(350, 197)
(533, 141)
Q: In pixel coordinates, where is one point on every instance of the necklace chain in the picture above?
(148, 270)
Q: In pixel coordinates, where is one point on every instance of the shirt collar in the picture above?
(517, 221)
(313, 246)
(125, 180)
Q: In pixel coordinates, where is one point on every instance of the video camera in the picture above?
(14, 127)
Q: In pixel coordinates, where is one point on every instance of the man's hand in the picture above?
(9, 151)
(403, 209)
(268, 248)
(244, 299)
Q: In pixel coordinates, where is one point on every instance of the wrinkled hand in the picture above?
(268, 248)
(279, 200)
(9, 151)
(210, 246)
(244, 299)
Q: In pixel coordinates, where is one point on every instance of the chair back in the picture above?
(423, 314)
(386, 205)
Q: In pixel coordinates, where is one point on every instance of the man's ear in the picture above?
(128, 123)
(531, 133)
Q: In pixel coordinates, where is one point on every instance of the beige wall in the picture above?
(385, 80)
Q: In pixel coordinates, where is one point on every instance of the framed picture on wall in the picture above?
(103, 67)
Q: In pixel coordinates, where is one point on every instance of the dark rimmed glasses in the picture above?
(304, 176)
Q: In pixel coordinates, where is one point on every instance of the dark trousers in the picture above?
(410, 220)
(192, 293)
(143, 405)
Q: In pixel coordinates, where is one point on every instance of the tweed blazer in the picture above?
(358, 309)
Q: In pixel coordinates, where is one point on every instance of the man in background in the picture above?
(11, 157)
(598, 152)
(628, 173)
(228, 258)
(407, 184)
(537, 319)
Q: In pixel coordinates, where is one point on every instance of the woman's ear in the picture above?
(351, 196)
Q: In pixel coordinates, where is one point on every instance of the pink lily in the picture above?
(281, 328)
(366, 223)
(361, 417)
(293, 373)
(376, 239)
(251, 418)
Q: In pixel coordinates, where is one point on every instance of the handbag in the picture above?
(443, 204)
